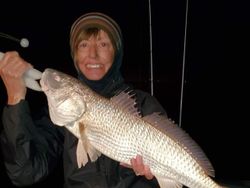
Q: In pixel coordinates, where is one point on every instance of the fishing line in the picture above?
(151, 51)
(183, 64)
(183, 59)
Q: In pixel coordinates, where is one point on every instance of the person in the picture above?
(32, 146)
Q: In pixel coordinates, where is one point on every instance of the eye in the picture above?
(82, 44)
(103, 44)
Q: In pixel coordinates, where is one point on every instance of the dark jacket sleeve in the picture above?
(30, 148)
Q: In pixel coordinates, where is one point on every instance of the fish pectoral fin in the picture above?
(81, 154)
(168, 183)
(93, 153)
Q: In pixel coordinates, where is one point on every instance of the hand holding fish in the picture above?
(12, 67)
(139, 168)
(17, 74)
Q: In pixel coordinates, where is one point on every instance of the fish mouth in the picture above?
(44, 82)
(50, 80)
(43, 85)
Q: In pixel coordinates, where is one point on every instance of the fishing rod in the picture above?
(23, 41)
(31, 75)
(151, 51)
(183, 64)
(183, 58)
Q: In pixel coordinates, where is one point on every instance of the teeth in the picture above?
(94, 66)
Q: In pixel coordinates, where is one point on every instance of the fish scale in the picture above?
(114, 128)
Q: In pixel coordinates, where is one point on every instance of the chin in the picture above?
(95, 78)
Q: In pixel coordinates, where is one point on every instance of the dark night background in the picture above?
(214, 107)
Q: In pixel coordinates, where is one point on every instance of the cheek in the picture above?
(109, 59)
(81, 68)
(79, 61)
(80, 54)
(108, 65)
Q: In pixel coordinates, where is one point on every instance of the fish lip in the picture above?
(44, 79)
(43, 82)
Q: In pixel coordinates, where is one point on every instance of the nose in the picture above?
(93, 51)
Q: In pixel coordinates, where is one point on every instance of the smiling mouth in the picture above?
(94, 66)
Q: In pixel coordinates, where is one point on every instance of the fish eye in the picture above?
(57, 78)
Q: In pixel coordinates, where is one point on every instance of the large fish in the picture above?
(114, 127)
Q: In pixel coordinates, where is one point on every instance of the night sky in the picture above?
(213, 67)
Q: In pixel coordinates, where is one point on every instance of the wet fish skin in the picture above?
(114, 128)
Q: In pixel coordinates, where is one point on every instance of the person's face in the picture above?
(95, 56)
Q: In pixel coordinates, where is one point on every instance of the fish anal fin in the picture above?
(168, 183)
(126, 101)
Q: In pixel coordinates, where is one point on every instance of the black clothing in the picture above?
(33, 147)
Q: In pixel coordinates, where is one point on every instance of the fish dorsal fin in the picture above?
(126, 101)
(168, 183)
(168, 127)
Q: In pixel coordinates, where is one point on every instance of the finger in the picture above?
(133, 163)
(139, 159)
(13, 65)
(134, 166)
(125, 165)
(147, 173)
(138, 165)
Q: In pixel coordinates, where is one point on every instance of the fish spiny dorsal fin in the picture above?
(168, 127)
(126, 100)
